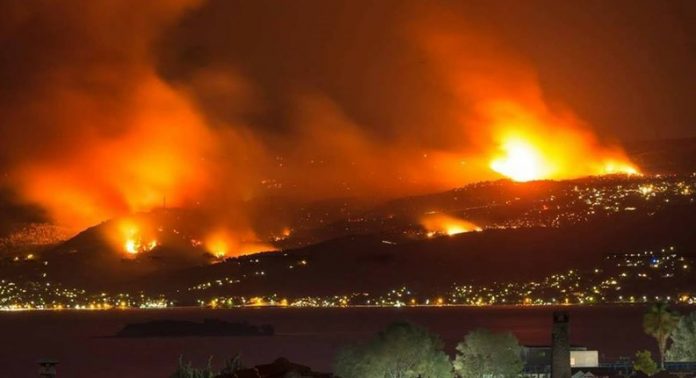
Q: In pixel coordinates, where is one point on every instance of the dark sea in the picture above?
(79, 339)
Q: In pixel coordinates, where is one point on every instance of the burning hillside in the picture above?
(184, 230)
(526, 159)
(442, 224)
(147, 121)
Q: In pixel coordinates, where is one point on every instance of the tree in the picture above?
(684, 340)
(659, 322)
(402, 350)
(644, 363)
(484, 353)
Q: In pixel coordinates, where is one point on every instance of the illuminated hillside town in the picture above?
(622, 278)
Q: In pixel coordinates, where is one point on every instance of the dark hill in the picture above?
(91, 260)
(372, 264)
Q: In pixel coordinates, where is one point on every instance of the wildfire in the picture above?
(131, 246)
(615, 167)
(129, 234)
(284, 234)
(527, 158)
(521, 161)
(218, 246)
(111, 135)
(441, 224)
(223, 244)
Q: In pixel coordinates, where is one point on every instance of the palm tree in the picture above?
(659, 322)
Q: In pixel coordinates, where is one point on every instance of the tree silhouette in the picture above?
(403, 350)
(684, 340)
(659, 322)
(487, 354)
(645, 364)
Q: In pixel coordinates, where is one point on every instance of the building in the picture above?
(593, 373)
(584, 358)
(537, 359)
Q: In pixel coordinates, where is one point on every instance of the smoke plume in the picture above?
(112, 107)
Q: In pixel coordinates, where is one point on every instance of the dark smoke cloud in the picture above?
(625, 66)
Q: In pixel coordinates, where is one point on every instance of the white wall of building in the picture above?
(584, 358)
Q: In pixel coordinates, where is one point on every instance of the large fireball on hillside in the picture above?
(523, 157)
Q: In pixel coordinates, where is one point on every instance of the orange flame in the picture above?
(223, 244)
(132, 237)
(441, 224)
(504, 110)
(522, 161)
(529, 148)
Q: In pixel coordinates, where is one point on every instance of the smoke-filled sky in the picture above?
(114, 106)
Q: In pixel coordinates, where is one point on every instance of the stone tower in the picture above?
(560, 346)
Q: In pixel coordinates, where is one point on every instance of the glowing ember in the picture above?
(284, 234)
(441, 224)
